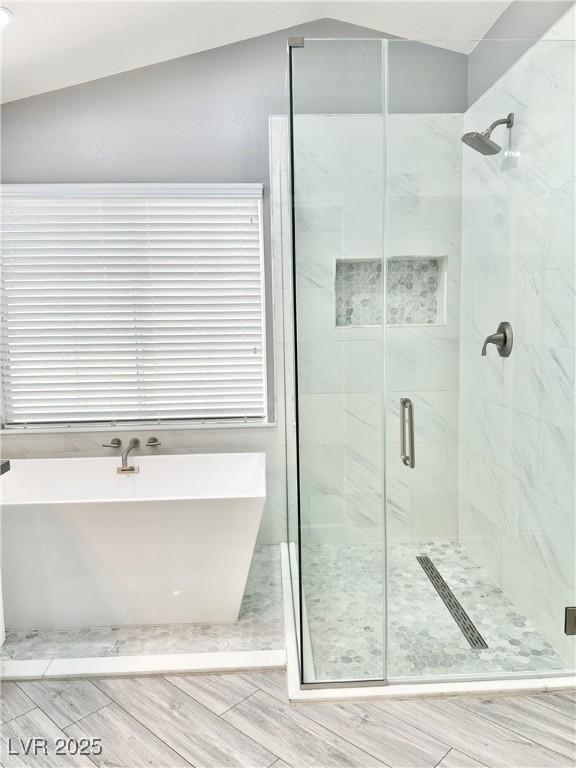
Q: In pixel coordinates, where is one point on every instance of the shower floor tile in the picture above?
(343, 588)
(259, 628)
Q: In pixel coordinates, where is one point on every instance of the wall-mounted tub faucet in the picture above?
(503, 340)
(132, 445)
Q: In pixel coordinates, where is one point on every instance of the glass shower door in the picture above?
(338, 192)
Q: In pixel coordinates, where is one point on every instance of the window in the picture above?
(132, 303)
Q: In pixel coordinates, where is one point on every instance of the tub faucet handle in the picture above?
(153, 442)
(114, 443)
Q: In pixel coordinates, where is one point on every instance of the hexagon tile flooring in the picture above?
(260, 627)
(344, 591)
(343, 585)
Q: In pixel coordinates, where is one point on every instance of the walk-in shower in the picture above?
(431, 487)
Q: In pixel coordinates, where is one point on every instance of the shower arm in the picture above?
(507, 121)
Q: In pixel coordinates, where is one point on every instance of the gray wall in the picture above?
(425, 78)
(348, 76)
(516, 30)
(204, 117)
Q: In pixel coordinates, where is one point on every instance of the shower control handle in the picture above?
(407, 447)
(503, 340)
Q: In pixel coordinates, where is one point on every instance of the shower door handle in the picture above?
(407, 451)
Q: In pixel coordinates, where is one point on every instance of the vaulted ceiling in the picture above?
(53, 44)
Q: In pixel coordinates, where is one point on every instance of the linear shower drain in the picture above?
(452, 603)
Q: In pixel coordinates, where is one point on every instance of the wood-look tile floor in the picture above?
(229, 720)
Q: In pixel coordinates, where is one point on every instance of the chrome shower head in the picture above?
(482, 142)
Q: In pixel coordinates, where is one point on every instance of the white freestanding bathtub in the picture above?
(83, 546)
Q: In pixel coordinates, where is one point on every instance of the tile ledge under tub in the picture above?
(19, 669)
(151, 664)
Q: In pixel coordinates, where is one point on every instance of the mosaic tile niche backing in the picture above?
(413, 292)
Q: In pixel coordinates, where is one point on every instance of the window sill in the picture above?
(137, 427)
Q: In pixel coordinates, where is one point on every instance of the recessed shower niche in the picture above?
(415, 291)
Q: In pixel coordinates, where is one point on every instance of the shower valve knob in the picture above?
(503, 340)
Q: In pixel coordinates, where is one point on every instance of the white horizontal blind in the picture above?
(129, 303)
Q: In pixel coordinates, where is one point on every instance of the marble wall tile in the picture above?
(422, 364)
(363, 469)
(485, 484)
(365, 512)
(549, 308)
(339, 202)
(428, 242)
(343, 518)
(398, 510)
(558, 392)
(516, 455)
(539, 524)
(433, 517)
(324, 519)
(483, 541)
(423, 143)
(545, 599)
(339, 197)
(424, 201)
(562, 229)
(489, 244)
(315, 313)
(556, 476)
(436, 416)
(340, 367)
(424, 155)
(322, 468)
(341, 419)
(339, 144)
(316, 254)
(422, 504)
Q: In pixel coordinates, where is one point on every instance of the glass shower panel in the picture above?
(481, 529)
(338, 195)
